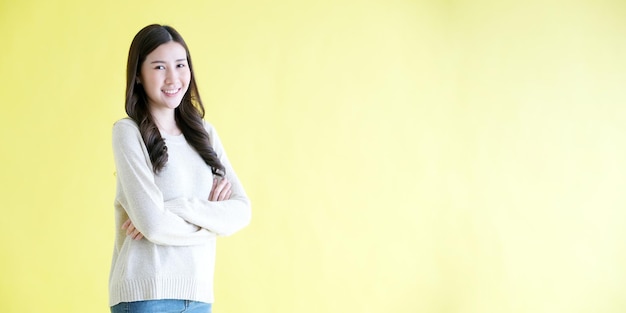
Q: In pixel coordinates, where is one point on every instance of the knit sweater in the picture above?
(176, 257)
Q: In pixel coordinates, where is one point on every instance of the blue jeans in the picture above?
(162, 306)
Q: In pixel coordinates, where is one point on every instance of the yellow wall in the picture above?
(401, 156)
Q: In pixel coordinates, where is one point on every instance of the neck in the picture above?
(165, 121)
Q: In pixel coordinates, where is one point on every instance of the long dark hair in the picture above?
(188, 114)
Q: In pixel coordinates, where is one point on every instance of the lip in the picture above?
(171, 92)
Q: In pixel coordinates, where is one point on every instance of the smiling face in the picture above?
(165, 76)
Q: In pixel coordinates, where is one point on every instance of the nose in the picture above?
(171, 76)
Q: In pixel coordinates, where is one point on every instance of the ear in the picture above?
(137, 80)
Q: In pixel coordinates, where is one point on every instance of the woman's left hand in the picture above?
(131, 231)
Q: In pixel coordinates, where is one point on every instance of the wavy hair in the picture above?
(188, 114)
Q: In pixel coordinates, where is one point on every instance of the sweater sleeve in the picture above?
(221, 217)
(141, 198)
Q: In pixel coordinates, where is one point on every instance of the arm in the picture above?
(221, 217)
(219, 192)
(140, 196)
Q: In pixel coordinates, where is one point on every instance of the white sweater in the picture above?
(176, 257)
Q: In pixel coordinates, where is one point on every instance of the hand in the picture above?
(131, 231)
(220, 190)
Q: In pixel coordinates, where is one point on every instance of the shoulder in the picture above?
(126, 123)
(214, 138)
(125, 130)
(208, 126)
(210, 129)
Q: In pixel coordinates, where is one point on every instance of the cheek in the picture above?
(148, 79)
(149, 83)
(186, 77)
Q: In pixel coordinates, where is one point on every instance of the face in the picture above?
(165, 76)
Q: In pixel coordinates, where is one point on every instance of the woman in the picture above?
(176, 189)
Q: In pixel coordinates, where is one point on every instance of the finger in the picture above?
(218, 189)
(136, 235)
(212, 189)
(139, 237)
(224, 191)
(125, 225)
(224, 194)
(131, 229)
(217, 185)
(230, 193)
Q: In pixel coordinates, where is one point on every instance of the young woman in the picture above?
(176, 189)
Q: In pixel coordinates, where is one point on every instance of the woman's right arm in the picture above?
(140, 197)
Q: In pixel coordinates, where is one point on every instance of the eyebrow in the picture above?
(179, 60)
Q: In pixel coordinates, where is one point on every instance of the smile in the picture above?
(171, 92)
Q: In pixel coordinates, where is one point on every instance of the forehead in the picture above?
(169, 51)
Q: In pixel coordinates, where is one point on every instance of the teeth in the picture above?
(171, 91)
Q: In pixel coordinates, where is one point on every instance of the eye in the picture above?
(159, 67)
(181, 65)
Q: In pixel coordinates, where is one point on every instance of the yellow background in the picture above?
(401, 156)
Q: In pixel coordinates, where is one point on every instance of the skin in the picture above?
(165, 76)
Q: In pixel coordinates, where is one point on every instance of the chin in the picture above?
(173, 104)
